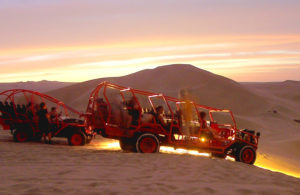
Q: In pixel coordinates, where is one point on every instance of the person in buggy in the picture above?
(43, 122)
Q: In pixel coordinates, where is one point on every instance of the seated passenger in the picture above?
(28, 111)
(54, 115)
(101, 113)
(204, 129)
(43, 122)
(159, 118)
(134, 111)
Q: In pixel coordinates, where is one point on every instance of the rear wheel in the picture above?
(77, 138)
(21, 136)
(246, 154)
(147, 143)
(127, 144)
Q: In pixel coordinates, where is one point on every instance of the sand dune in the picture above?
(41, 86)
(36, 168)
(208, 88)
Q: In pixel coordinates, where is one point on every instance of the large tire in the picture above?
(127, 144)
(21, 136)
(77, 138)
(246, 155)
(147, 143)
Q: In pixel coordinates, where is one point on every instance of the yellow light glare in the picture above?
(170, 150)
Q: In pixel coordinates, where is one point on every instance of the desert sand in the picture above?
(100, 168)
(271, 108)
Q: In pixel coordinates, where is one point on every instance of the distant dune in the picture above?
(41, 86)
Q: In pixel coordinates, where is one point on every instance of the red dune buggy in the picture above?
(129, 115)
(18, 113)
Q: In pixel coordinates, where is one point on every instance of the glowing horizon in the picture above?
(56, 40)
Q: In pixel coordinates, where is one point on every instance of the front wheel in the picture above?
(147, 143)
(246, 154)
(77, 138)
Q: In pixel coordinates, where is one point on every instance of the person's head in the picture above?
(159, 109)
(100, 100)
(202, 115)
(29, 104)
(42, 105)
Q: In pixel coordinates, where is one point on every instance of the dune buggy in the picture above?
(18, 113)
(111, 106)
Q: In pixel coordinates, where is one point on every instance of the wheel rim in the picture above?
(21, 136)
(148, 145)
(76, 139)
(248, 155)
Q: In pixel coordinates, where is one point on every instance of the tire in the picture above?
(21, 136)
(77, 138)
(246, 155)
(127, 144)
(147, 143)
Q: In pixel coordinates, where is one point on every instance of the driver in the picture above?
(204, 129)
(159, 118)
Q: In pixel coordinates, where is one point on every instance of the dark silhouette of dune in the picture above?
(206, 87)
(41, 86)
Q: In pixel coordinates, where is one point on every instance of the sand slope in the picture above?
(36, 168)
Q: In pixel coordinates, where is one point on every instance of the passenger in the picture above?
(28, 111)
(202, 121)
(43, 123)
(134, 111)
(23, 109)
(19, 112)
(19, 109)
(204, 129)
(116, 108)
(159, 118)
(101, 113)
(12, 110)
(54, 119)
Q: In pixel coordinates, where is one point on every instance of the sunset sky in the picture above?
(245, 40)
